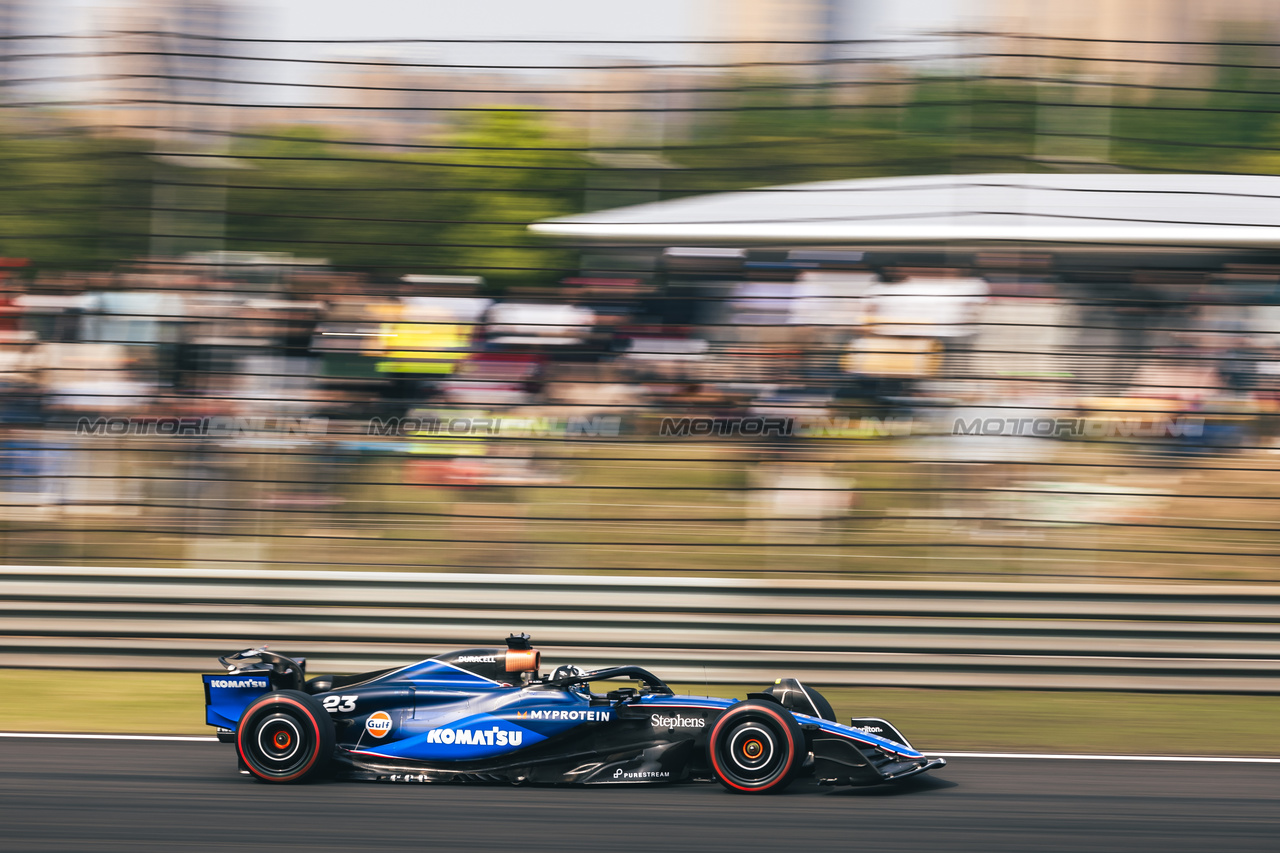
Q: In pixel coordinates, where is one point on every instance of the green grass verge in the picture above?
(1028, 721)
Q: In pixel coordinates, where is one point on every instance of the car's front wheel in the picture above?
(756, 747)
(285, 736)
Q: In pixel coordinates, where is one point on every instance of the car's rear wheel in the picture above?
(285, 736)
(756, 747)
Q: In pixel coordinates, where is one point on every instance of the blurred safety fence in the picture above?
(1187, 637)
(277, 304)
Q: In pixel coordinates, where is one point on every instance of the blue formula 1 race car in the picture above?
(488, 715)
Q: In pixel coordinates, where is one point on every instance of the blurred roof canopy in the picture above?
(1110, 210)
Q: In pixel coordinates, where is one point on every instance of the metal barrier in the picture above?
(1192, 637)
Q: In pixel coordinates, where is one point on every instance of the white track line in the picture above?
(1069, 757)
(1052, 756)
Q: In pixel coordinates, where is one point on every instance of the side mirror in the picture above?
(622, 694)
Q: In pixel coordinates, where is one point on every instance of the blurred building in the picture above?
(405, 104)
(1138, 35)
(761, 28)
(166, 70)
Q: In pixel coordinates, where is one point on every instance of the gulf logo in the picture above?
(378, 724)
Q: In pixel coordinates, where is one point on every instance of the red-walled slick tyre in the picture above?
(756, 747)
(285, 736)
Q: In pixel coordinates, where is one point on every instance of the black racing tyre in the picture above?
(756, 747)
(821, 705)
(285, 736)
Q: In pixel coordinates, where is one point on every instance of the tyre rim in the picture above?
(753, 749)
(279, 740)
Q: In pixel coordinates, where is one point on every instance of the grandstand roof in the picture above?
(1110, 210)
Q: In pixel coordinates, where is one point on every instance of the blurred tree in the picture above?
(72, 201)
(77, 201)
(462, 208)
(513, 180)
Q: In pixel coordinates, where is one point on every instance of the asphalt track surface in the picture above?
(71, 795)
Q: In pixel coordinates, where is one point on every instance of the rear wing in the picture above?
(249, 674)
(226, 697)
